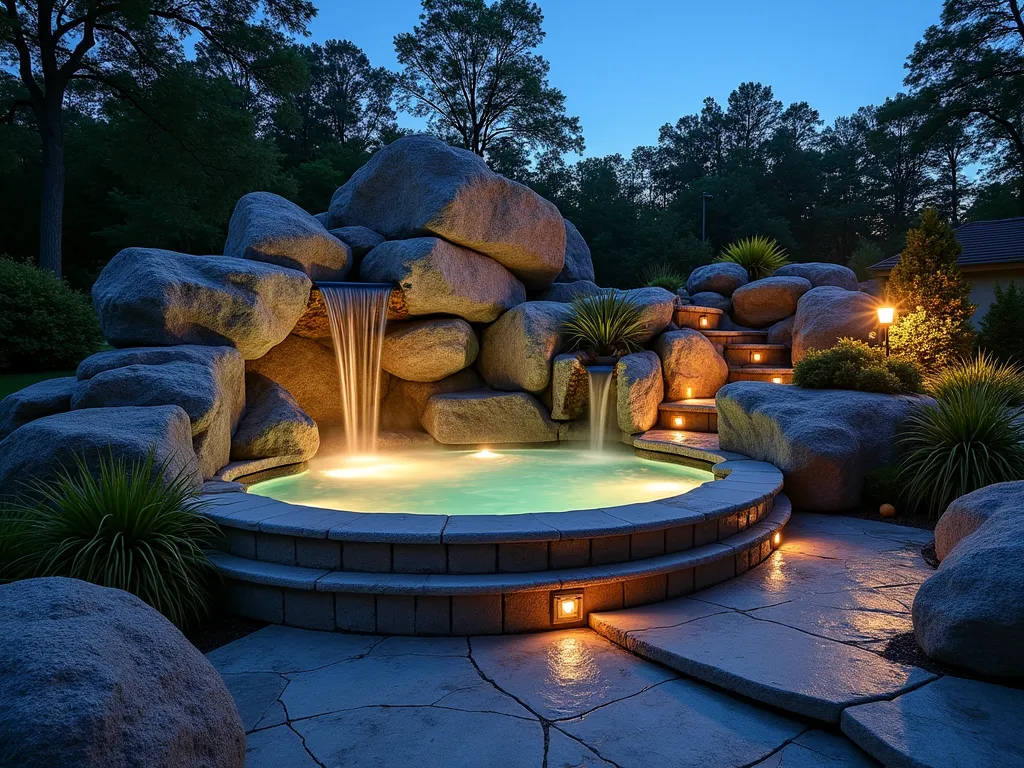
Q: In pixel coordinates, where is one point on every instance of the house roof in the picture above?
(984, 242)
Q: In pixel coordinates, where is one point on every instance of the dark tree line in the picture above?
(111, 135)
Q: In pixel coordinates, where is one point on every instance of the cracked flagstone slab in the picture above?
(254, 694)
(950, 722)
(384, 737)
(851, 616)
(818, 749)
(775, 664)
(422, 646)
(682, 723)
(565, 752)
(405, 680)
(615, 624)
(276, 747)
(275, 715)
(286, 649)
(563, 674)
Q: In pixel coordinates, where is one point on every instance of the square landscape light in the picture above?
(776, 379)
(703, 321)
(755, 357)
(678, 421)
(566, 607)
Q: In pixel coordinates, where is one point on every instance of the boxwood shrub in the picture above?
(852, 364)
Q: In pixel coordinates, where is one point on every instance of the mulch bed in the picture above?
(221, 629)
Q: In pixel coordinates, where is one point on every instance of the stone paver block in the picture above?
(472, 558)
(603, 597)
(569, 553)
(705, 533)
(648, 589)
(714, 572)
(476, 614)
(272, 548)
(309, 610)
(609, 549)
(257, 601)
(950, 722)
(396, 614)
(527, 611)
(366, 557)
(647, 544)
(682, 723)
(433, 615)
(419, 558)
(523, 557)
(679, 539)
(680, 583)
(355, 613)
(318, 553)
(807, 675)
(241, 543)
(565, 673)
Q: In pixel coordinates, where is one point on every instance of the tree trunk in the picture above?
(51, 213)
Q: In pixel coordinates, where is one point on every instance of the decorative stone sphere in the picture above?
(887, 510)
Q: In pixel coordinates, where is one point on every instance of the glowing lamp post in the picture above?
(885, 317)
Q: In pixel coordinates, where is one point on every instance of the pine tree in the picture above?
(1002, 332)
(933, 298)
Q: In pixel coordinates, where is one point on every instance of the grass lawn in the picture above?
(12, 382)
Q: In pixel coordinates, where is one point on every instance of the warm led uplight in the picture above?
(776, 379)
(886, 315)
(703, 320)
(755, 357)
(566, 607)
(486, 454)
(689, 392)
(678, 421)
(777, 539)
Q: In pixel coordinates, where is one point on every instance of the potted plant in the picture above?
(604, 327)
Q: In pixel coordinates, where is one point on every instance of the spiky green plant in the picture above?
(129, 526)
(662, 276)
(982, 371)
(759, 255)
(973, 438)
(605, 324)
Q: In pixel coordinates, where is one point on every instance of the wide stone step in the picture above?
(698, 318)
(695, 415)
(757, 354)
(767, 373)
(737, 337)
(431, 603)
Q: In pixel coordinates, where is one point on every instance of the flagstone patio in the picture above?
(757, 671)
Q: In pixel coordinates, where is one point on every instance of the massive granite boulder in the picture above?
(146, 296)
(691, 365)
(722, 277)
(781, 332)
(403, 402)
(307, 370)
(274, 425)
(428, 350)
(579, 265)
(823, 440)
(639, 390)
(970, 613)
(486, 417)
(419, 186)
(437, 277)
(517, 350)
(361, 240)
(713, 300)
(825, 315)
(93, 677)
(767, 301)
(44, 398)
(570, 387)
(821, 273)
(266, 227)
(656, 307)
(968, 513)
(567, 292)
(44, 447)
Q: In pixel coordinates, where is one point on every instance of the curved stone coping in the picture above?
(353, 582)
(742, 484)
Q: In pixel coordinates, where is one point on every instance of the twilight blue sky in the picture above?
(629, 66)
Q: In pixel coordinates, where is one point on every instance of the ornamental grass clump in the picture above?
(984, 371)
(130, 527)
(759, 255)
(605, 325)
(852, 364)
(663, 276)
(973, 438)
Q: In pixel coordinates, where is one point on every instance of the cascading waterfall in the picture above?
(601, 379)
(358, 313)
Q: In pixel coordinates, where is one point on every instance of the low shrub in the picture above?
(852, 364)
(129, 527)
(973, 438)
(605, 324)
(760, 256)
(662, 276)
(45, 325)
(1002, 332)
(985, 371)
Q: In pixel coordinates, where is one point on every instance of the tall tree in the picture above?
(52, 44)
(470, 67)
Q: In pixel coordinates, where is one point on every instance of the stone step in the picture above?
(737, 337)
(757, 354)
(694, 415)
(445, 603)
(698, 318)
(767, 373)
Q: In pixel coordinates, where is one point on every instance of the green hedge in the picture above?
(852, 364)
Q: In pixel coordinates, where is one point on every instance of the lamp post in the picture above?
(885, 317)
(704, 197)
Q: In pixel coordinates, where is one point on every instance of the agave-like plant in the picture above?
(973, 438)
(605, 324)
(129, 526)
(759, 255)
(982, 371)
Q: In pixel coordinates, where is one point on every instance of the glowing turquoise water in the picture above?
(472, 482)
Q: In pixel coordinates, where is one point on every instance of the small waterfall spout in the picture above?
(358, 313)
(601, 379)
